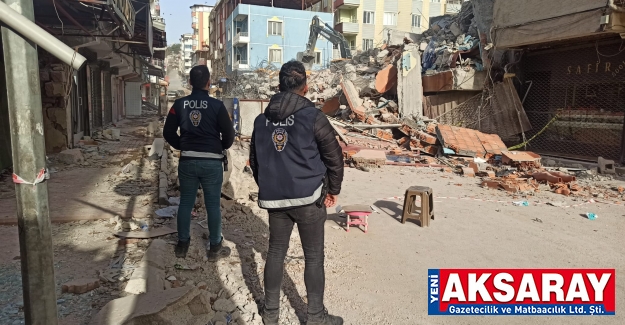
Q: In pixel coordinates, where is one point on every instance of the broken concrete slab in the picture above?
(145, 279)
(70, 156)
(149, 275)
(168, 307)
(353, 99)
(409, 83)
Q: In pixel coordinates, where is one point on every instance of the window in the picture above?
(367, 44)
(436, 1)
(274, 28)
(325, 4)
(318, 58)
(352, 45)
(416, 20)
(275, 55)
(390, 19)
(368, 17)
(228, 33)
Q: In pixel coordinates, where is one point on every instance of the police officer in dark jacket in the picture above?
(205, 132)
(298, 166)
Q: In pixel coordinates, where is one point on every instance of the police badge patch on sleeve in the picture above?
(279, 138)
(195, 117)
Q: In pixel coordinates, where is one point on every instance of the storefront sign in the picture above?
(600, 67)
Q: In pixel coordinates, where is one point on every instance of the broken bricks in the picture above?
(80, 286)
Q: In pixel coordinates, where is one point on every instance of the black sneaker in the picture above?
(270, 316)
(323, 318)
(182, 248)
(218, 251)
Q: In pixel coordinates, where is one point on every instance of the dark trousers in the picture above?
(310, 220)
(191, 174)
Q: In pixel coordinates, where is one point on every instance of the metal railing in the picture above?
(243, 34)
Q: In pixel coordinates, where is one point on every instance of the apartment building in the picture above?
(363, 22)
(223, 9)
(186, 47)
(258, 34)
(200, 24)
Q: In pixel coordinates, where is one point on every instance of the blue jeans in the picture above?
(192, 173)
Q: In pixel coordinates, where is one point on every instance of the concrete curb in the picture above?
(162, 178)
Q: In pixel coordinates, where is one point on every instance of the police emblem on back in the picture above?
(279, 138)
(195, 117)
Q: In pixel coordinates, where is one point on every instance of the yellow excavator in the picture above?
(318, 27)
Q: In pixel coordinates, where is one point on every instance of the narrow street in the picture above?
(482, 144)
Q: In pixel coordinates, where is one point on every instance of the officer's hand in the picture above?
(331, 200)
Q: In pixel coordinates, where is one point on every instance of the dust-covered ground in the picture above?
(374, 278)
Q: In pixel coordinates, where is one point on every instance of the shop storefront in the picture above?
(576, 100)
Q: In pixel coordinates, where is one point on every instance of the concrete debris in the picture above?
(70, 156)
(184, 305)
(80, 286)
(157, 232)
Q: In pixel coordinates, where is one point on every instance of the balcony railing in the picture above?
(240, 65)
(241, 38)
(346, 3)
(347, 28)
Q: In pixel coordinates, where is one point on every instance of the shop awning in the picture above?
(146, 36)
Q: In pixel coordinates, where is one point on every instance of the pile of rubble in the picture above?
(452, 39)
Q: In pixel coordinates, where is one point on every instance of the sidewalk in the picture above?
(93, 184)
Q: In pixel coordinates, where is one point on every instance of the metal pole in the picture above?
(28, 148)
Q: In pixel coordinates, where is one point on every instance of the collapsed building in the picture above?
(470, 90)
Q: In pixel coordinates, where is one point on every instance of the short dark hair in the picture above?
(199, 76)
(292, 76)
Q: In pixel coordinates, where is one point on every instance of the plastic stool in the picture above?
(357, 215)
(423, 212)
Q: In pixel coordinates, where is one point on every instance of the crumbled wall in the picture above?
(54, 78)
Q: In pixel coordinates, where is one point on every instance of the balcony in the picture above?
(346, 4)
(347, 27)
(240, 65)
(241, 38)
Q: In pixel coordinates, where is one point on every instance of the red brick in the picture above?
(426, 137)
(383, 134)
(468, 172)
(432, 150)
(490, 184)
(80, 286)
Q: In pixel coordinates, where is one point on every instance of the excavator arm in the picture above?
(318, 27)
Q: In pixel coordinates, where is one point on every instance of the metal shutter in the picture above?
(133, 98)
(108, 98)
(96, 96)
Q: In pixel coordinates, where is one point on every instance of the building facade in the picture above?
(363, 22)
(222, 10)
(570, 75)
(201, 29)
(112, 84)
(186, 51)
(256, 35)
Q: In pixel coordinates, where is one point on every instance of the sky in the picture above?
(177, 14)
